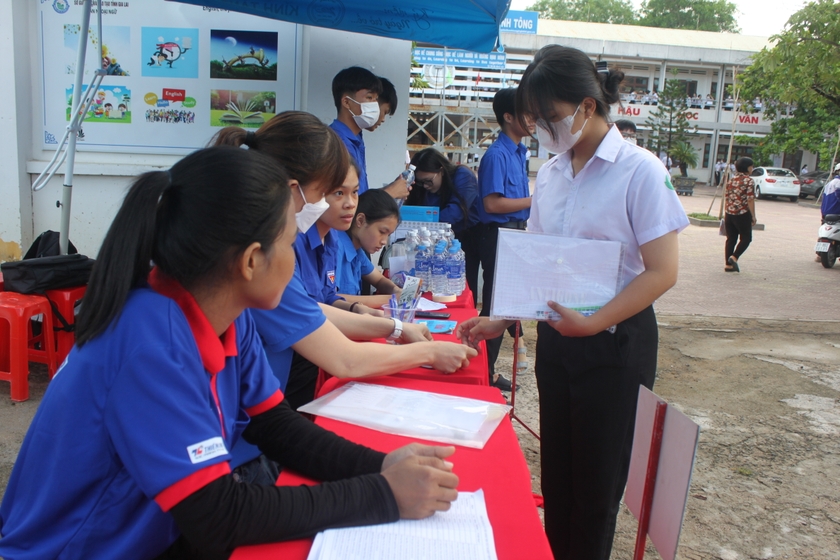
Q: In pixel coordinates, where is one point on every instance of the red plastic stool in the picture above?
(65, 301)
(18, 310)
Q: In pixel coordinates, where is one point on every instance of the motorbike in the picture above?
(828, 246)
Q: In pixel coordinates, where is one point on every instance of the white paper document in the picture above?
(463, 532)
(533, 268)
(418, 414)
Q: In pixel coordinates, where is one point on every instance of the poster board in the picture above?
(176, 73)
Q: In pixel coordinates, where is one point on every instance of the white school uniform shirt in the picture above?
(622, 194)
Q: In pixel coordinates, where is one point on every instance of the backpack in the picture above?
(42, 269)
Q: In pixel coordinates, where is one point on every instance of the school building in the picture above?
(454, 110)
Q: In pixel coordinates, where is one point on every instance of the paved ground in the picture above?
(779, 278)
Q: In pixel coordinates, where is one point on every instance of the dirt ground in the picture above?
(766, 395)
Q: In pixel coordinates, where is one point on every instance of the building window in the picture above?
(634, 83)
(723, 148)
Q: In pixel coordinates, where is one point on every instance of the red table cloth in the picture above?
(476, 373)
(499, 469)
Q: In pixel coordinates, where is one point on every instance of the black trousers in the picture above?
(739, 225)
(470, 239)
(303, 376)
(489, 240)
(588, 389)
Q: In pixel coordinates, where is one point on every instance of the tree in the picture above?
(700, 15)
(668, 122)
(596, 11)
(684, 155)
(800, 71)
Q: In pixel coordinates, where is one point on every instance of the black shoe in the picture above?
(503, 384)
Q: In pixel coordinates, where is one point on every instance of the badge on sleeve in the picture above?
(668, 182)
(206, 450)
(331, 276)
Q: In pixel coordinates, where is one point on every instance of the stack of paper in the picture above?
(409, 413)
(463, 532)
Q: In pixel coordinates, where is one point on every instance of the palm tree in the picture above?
(685, 155)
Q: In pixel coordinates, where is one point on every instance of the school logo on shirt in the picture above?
(331, 276)
(206, 450)
(668, 182)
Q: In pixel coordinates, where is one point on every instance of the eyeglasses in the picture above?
(628, 135)
(426, 183)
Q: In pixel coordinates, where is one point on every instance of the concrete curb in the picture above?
(716, 223)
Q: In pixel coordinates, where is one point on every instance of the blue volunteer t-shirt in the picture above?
(465, 184)
(356, 146)
(502, 171)
(297, 316)
(353, 264)
(135, 421)
(317, 263)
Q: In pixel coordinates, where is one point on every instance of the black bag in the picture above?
(42, 269)
(46, 245)
(36, 276)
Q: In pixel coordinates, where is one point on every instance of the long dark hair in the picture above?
(431, 161)
(564, 74)
(308, 149)
(376, 205)
(193, 221)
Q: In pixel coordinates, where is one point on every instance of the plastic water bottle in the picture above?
(408, 175)
(425, 237)
(453, 271)
(462, 261)
(410, 251)
(422, 267)
(439, 282)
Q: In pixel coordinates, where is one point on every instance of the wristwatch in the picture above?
(398, 328)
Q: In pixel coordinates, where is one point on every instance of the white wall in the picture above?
(15, 132)
(101, 179)
(330, 51)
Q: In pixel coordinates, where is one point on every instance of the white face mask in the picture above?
(310, 212)
(563, 140)
(369, 115)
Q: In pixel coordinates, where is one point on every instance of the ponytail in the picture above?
(192, 221)
(123, 260)
(564, 74)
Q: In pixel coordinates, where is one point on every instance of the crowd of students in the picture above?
(222, 281)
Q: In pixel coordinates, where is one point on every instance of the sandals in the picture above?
(734, 264)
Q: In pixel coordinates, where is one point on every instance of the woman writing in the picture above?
(588, 373)
(453, 189)
(168, 373)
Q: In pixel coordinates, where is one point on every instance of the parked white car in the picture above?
(775, 181)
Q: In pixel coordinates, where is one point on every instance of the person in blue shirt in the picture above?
(128, 453)
(454, 189)
(355, 93)
(387, 102)
(377, 217)
(505, 195)
(831, 195)
(317, 162)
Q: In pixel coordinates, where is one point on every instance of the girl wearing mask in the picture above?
(317, 162)
(589, 369)
(168, 373)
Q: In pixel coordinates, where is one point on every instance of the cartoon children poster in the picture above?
(243, 55)
(116, 41)
(169, 52)
(170, 106)
(111, 104)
